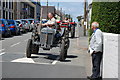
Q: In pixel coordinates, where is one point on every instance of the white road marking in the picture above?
(15, 44)
(2, 50)
(10, 38)
(54, 62)
(2, 53)
(27, 60)
(24, 60)
(26, 40)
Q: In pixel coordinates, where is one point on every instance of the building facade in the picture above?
(6, 9)
(37, 10)
(23, 10)
(19, 10)
(46, 10)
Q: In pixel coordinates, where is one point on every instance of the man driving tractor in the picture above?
(50, 25)
(51, 22)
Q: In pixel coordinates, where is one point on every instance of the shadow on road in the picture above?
(51, 56)
(73, 38)
(72, 56)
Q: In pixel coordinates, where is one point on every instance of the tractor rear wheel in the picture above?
(29, 48)
(63, 51)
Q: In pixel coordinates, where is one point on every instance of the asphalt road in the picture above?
(42, 65)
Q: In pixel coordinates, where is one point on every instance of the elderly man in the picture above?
(51, 22)
(96, 51)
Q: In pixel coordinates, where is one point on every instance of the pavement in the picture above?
(45, 64)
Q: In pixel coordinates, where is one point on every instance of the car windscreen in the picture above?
(11, 22)
(30, 21)
(23, 21)
(18, 22)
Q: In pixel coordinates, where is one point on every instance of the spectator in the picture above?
(95, 49)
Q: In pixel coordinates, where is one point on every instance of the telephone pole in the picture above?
(47, 9)
(61, 13)
(84, 17)
(58, 8)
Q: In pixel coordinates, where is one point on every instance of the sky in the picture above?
(73, 8)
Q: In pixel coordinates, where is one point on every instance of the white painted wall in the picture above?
(110, 55)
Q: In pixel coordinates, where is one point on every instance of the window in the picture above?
(12, 15)
(6, 4)
(9, 15)
(9, 5)
(12, 5)
(0, 14)
(0, 2)
(3, 4)
(4, 14)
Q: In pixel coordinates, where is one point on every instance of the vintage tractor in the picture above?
(47, 38)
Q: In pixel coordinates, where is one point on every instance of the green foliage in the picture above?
(107, 14)
(68, 15)
(79, 18)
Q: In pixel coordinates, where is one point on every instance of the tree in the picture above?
(79, 18)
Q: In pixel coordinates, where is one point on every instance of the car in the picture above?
(27, 24)
(44, 21)
(32, 23)
(21, 25)
(15, 29)
(4, 28)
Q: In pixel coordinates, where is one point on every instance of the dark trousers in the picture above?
(96, 61)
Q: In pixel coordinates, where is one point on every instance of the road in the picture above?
(45, 64)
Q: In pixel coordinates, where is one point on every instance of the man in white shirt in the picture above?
(96, 50)
(51, 22)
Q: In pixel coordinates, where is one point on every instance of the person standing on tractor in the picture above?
(66, 20)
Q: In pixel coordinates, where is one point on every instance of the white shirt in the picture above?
(51, 21)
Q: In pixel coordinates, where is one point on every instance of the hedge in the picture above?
(107, 14)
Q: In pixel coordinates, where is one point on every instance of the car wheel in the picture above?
(16, 31)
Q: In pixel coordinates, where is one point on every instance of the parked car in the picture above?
(32, 23)
(21, 25)
(4, 28)
(44, 21)
(14, 28)
(27, 24)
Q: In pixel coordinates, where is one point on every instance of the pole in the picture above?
(58, 7)
(84, 17)
(40, 25)
(47, 9)
(61, 14)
